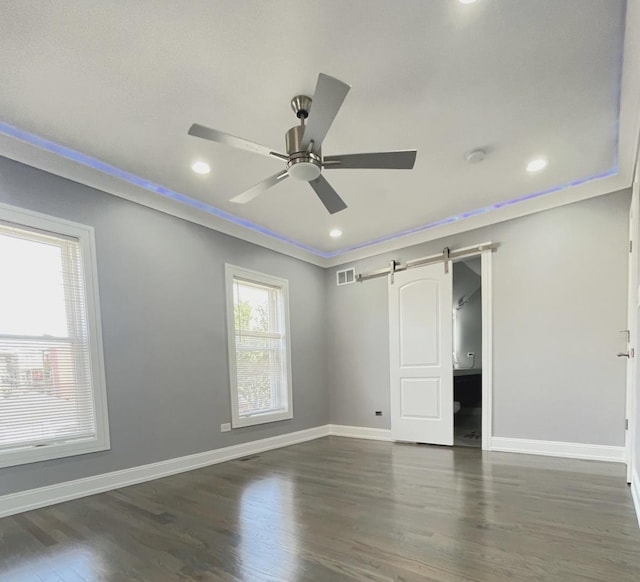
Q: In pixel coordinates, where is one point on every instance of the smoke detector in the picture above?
(475, 156)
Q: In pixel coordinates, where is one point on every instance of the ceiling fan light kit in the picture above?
(304, 146)
(303, 164)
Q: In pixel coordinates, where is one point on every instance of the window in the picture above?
(52, 391)
(259, 350)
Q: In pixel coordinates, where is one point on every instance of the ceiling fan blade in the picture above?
(260, 187)
(327, 100)
(198, 130)
(328, 196)
(403, 160)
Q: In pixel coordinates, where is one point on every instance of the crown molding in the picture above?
(50, 157)
(569, 194)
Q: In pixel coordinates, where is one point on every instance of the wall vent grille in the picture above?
(346, 277)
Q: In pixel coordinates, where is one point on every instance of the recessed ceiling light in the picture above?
(536, 165)
(200, 167)
(467, 1)
(335, 233)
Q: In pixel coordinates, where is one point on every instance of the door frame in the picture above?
(486, 278)
(486, 287)
(633, 304)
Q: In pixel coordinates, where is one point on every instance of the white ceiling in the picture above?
(122, 81)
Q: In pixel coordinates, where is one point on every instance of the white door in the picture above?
(421, 341)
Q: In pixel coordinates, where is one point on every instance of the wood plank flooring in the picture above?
(342, 509)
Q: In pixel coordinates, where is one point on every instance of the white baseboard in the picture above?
(509, 445)
(559, 449)
(43, 496)
(360, 432)
(34, 498)
(635, 493)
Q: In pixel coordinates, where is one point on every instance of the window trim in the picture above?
(231, 272)
(86, 238)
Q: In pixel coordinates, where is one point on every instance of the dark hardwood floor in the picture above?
(342, 509)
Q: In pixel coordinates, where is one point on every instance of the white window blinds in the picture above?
(46, 388)
(260, 348)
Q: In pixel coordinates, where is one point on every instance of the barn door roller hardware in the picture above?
(392, 270)
(444, 257)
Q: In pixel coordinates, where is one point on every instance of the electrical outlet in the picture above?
(378, 412)
(226, 427)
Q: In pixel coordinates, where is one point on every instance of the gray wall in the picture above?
(559, 299)
(163, 318)
(467, 324)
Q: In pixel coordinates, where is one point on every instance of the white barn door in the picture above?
(421, 342)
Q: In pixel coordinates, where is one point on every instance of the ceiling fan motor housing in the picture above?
(302, 164)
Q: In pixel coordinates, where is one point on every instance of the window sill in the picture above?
(14, 457)
(261, 418)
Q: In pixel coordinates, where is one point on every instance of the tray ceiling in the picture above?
(121, 82)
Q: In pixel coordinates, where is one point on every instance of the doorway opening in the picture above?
(467, 352)
(421, 348)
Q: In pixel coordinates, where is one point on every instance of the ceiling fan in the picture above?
(303, 143)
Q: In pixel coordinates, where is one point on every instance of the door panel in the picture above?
(420, 397)
(420, 324)
(418, 304)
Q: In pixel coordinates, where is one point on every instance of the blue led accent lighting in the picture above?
(85, 160)
(618, 100)
(471, 213)
(105, 168)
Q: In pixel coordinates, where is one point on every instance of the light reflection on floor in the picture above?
(78, 563)
(268, 505)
